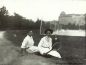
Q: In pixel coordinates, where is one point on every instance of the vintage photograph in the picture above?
(42, 32)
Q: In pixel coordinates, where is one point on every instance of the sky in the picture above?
(47, 10)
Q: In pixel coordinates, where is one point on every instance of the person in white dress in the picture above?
(27, 43)
(45, 45)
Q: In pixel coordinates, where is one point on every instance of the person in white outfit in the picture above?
(45, 45)
(27, 42)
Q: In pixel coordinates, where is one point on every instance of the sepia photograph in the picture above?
(42, 32)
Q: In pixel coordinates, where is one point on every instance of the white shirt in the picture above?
(45, 42)
(27, 42)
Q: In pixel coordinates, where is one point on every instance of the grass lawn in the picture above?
(72, 50)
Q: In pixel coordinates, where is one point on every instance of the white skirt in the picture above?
(43, 50)
(55, 53)
(33, 49)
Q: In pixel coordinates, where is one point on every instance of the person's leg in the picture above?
(23, 51)
(32, 49)
(43, 51)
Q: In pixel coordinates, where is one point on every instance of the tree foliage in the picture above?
(21, 23)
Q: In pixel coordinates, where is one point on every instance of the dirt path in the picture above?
(7, 52)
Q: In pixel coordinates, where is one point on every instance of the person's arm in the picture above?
(24, 43)
(40, 43)
(50, 44)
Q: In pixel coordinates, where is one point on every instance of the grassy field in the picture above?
(72, 50)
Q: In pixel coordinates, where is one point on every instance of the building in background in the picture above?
(73, 19)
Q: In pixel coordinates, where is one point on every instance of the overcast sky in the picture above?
(44, 9)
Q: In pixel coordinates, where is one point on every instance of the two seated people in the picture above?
(45, 45)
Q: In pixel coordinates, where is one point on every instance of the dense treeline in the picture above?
(18, 22)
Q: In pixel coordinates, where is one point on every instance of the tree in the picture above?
(3, 17)
(37, 24)
(3, 11)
